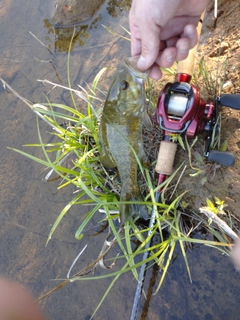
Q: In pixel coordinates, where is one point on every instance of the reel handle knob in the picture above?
(226, 159)
(230, 100)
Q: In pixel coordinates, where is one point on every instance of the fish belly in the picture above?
(121, 153)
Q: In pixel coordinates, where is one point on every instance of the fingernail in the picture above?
(184, 50)
(171, 58)
(141, 63)
(189, 31)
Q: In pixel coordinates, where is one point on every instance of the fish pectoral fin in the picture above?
(140, 210)
(144, 160)
(146, 164)
(128, 210)
(147, 122)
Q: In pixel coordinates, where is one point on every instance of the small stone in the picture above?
(224, 45)
(211, 23)
(227, 86)
(220, 50)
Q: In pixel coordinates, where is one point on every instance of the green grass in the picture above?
(78, 140)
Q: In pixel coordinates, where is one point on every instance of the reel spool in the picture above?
(177, 106)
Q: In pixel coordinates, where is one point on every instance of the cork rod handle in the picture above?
(166, 157)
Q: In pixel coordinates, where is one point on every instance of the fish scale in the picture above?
(121, 131)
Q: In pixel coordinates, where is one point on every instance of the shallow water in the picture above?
(29, 206)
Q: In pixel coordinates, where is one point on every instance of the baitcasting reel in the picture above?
(181, 110)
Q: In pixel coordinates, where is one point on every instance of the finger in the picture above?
(176, 26)
(188, 40)
(167, 57)
(17, 303)
(236, 253)
(136, 43)
(171, 42)
(150, 45)
(190, 32)
(183, 46)
(155, 72)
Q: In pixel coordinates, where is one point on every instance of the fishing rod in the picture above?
(164, 166)
(180, 110)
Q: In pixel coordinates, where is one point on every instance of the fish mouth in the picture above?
(131, 64)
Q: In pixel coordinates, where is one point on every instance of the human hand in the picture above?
(17, 303)
(163, 31)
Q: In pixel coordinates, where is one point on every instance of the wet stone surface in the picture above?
(70, 12)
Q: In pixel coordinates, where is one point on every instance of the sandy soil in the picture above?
(220, 48)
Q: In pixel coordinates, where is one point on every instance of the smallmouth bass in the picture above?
(121, 131)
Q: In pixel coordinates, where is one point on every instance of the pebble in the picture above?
(227, 86)
(211, 23)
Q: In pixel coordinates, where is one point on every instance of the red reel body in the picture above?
(181, 110)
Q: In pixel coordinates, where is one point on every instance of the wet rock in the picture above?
(70, 12)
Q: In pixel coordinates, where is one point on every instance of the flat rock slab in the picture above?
(70, 12)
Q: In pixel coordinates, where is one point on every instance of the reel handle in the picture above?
(230, 100)
(225, 158)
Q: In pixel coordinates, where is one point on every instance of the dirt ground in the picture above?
(220, 47)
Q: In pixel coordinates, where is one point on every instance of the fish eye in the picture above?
(125, 85)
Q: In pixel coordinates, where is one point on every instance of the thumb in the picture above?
(150, 45)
